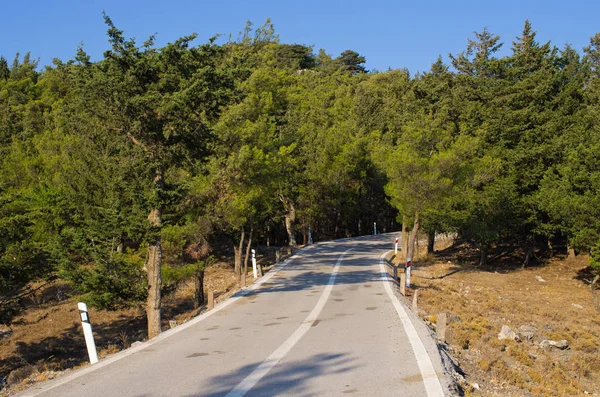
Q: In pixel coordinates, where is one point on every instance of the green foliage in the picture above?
(254, 132)
(113, 283)
(352, 62)
(595, 257)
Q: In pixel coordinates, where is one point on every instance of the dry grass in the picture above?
(486, 299)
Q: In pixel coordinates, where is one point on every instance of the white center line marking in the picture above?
(433, 387)
(263, 369)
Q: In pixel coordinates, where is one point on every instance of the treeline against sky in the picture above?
(127, 175)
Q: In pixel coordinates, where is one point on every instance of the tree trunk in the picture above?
(290, 218)
(528, 255)
(153, 266)
(483, 254)
(259, 269)
(198, 287)
(238, 255)
(404, 237)
(595, 292)
(268, 236)
(431, 242)
(413, 238)
(571, 251)
(245, 270)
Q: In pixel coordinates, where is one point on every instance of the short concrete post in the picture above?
(310, 240)
(440, 327)
(254, 271)
(374, 227)
(211, 300)
(87, 332)
(277, 256)
(415, 305)
(403, 283)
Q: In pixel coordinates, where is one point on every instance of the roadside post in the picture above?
(396, 247)
(310, 240)
(211, 300)
(374, 227)
(87, 332)
(403, 284)
(254, 264)
(408, 266)
(277, 256)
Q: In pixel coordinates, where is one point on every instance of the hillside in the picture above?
(547, 301)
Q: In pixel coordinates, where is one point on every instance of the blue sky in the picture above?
(390, 34)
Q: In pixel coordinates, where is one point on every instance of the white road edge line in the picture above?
(433, 387)
(263, 369)
(37, 390)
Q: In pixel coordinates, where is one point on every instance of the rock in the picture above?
(527, 332)
(540, 279)
(451, 317)
(575, 305)
(134, 344)
(475, 386)
(561, 344)
(5, 331)
(507, 333)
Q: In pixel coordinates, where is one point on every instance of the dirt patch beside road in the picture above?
(546, 302)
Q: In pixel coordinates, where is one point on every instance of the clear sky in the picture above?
(390, 34)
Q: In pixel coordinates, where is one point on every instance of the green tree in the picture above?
(351, 61)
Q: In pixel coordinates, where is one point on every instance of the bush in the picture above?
(114, 283)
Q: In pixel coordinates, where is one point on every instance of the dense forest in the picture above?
(123, 175)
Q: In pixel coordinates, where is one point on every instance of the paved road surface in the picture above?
(323, 324)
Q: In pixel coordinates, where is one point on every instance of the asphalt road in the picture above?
(322, 324)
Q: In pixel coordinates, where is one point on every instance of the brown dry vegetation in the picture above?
(47, 338)
(502, 293)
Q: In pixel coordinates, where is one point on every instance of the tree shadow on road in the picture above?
(308, 272)
(290, 378)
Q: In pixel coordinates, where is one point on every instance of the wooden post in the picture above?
(403, 283)
(211, 300)
(415, 299)
(440, 327)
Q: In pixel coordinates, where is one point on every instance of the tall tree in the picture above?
(161, 102)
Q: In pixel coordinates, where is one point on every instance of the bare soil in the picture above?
(551, 296)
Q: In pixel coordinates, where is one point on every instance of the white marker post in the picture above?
(408, 272)
(374, 227)
(87, 332)
(254, 264)
(396, 247)
(310, 241)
